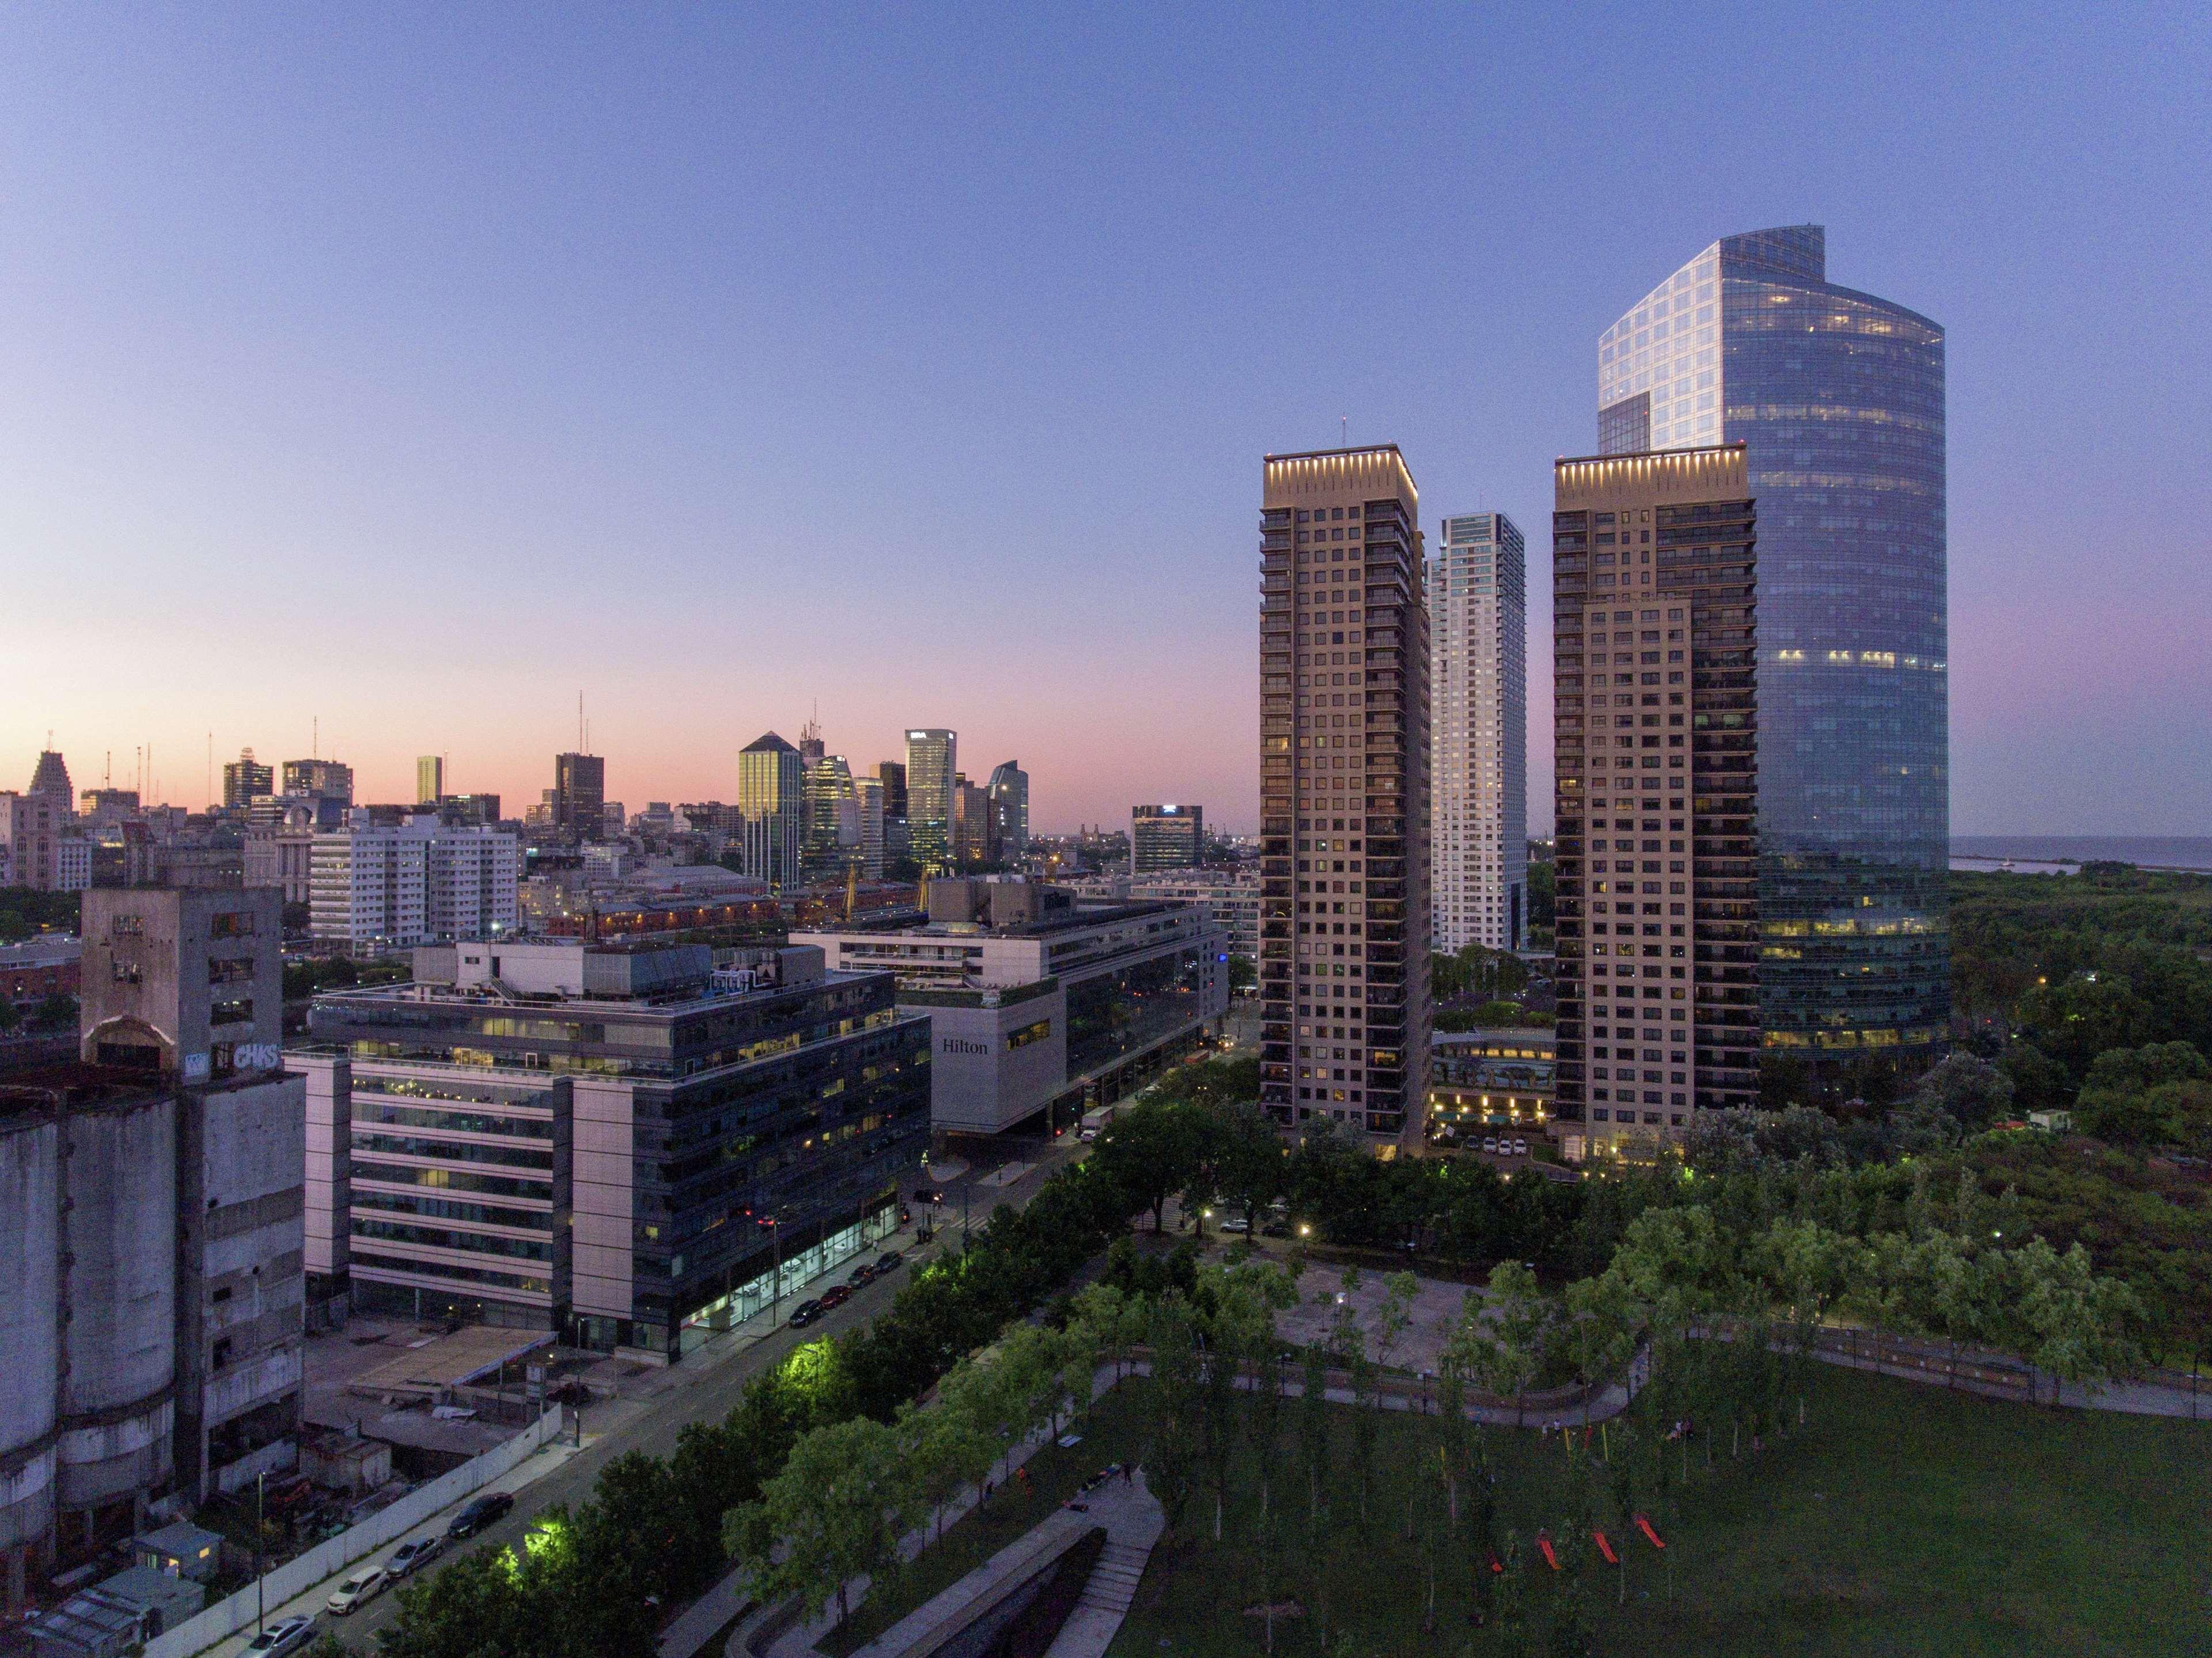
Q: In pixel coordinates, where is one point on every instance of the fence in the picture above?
(296, 1576)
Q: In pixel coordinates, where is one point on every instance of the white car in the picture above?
(1519, 1147)
(285, 1635)
(358, 1590)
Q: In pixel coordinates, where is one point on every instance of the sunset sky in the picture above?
(417, 369)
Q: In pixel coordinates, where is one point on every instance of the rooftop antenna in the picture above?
(315, 739)
(1345, 421)
(211, 776)
(579, 722)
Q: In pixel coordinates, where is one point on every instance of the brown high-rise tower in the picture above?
(1654, 593)
(1344, 794)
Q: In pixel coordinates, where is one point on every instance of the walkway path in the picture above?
(1133, 1520)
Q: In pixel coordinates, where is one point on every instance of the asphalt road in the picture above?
(706, 1393)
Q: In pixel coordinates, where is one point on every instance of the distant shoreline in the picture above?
(2048, 853)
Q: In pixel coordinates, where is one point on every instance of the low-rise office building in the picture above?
(1039, 1007)
(1232, 896)
(626, 1145)
(1489, 1079)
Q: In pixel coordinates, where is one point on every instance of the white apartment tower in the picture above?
(1478, 676)
(413, 883)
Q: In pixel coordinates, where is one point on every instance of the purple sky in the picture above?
(418, 368)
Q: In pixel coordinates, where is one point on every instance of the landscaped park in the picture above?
(1812, 1509)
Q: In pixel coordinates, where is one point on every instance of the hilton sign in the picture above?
(961, 1045)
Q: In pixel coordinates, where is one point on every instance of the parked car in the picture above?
(1490, 1142)
(408, 1556)
(357, 1590)
(478, 1513)
(888, 1261)
(805, 1313)
(836, 1296)
(285, 1635)
(1276, 1229)
(1235, 1222)
(863, 1274)
(1519, 1147)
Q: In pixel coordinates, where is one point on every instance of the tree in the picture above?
(1174, 1449)
(2077, 1322)
(1807, 1268)
(946, 1451)
(1243, 974)
(1247, 1159)
(477, 1607)
(629, 1557)
(1598, 1328)
(1315, 1461)
(1507, 1341)
(1153, 1149)
(1972, 1092)
(55, 1011)
(835, 1512)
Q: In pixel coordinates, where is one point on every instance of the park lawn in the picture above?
(1901, 1518)
(1112, 1432)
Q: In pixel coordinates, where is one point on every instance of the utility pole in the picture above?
(260, 1578)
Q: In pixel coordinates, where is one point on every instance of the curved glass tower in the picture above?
(1839, 396)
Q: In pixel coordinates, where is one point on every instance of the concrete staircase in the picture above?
(1113, 1584)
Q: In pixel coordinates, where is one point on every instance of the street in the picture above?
(704, 1388)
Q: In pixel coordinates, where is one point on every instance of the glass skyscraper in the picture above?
(1839, 396)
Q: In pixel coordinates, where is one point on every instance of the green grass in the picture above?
(1900, 1519)
(1113, 1433)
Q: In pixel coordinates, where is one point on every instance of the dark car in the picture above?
(836, 1296)
(888, 1261)
(863, 1274)
(478, 1513)
(805, 1313)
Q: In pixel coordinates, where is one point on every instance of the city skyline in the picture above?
(576, 355)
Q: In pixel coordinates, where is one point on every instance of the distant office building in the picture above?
(868, 801)
(519, 1170)
(832, 816)
(1344, 784)
(282, 854)
(973, 844)
(578, 801)
(1839, 396)
(30, 834)
(50, 780)
(771, 788)
(375, 888)
(323, 780)
(155, 1203)
(1037, 1004)
(1166, 837)
(103, 809)
(1009, 790)
(1231, 896)
(243, 778)
(471, 811)
(1654, 595)
(931, 765)
(1479, 765)
(429, 779)
(72, 863)
(892, 775)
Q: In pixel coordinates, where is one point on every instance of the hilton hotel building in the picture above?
(1344, 786)
(1654, 598)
